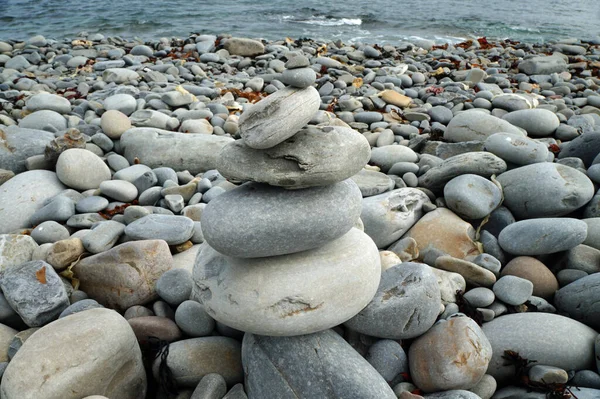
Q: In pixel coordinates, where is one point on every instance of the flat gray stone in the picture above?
(543, 65)
(49, 232)
(385, 157)
(193, 320)
(175, 286)
(315, 156)
(537, 122)
(211, 386)
(585, 147)
(472, 196)
(320, 365)
(388, 216)
(541, 337)
(278, 116)
(119, 190)
(256, 220)
(388, 358)
(371, 182)
(473, 125)
(103, 236)
(119, 75)
(58, 209)
(44, 120)
(91, 204)
(81, 169)
(124, 103)
(17, 144)
(47, 101)
(244, 47)
(37, 296)
(299, 77)
(409, 295)
(545, 190)
(299, 293)
(542, 236)
(516, 149)
(180, 151)
(513, 290)
(170, 228)
(579, 300)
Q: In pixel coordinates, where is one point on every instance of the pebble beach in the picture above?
(231, 217)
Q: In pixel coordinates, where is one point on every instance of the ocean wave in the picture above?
(323, 20)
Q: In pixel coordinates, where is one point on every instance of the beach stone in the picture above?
(512, 102)
(175, 286)
(299, 77)
(119, 75)
(114, 123)
(18, 144)
(125, 275)
(540, 337)
(84, 220)
(49, 232)
(153, 119)
(64, 252)
(585, 147)
(244, 47)
(201, 126)
(124, 103)
(47, 101)
(472, 196)
(23, 195)
(543, 280)
(326, 213)
(453, 354)
(579, 300)
(47, 120)
(545, 190)
(480, 297)
(452, 394)
(543, 65)
(180, 151)
(278, 116)
(395, 98)
(15, 249)
(385, 157)
(513, 290)
(409, 294)
(80, 306)
(548, 374)
(109, 361)
(59, 209)
(470, 126)
(103, 236)
(371, 182)
(478, 163)
(172, 229)
(320, 365)
(443, 230)
(81, 169)
(472, 273)
(91, 204)
(137, 311)
(388, 216)
(225, 287)
(7, 336)
(147, 328)
(211, 386)
(449, 283)
(37, 296)
(516, 149)
(537, 122)
(388, 358)
(542, 236)
(191, 317)
(119, 190)
(191, 359)
(586, 378)
(177, 98)
(132, 173)
(315, 156)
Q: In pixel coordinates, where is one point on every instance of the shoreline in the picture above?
(421, 197)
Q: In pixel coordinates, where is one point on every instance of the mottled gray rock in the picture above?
(537, 122)
(91, 204)
(175, 286)
(191, 359)
(385, 157)
(281, 221)
(80, 306)
(471, 125)
(35, 292)
(124, 103)
(320, 365)
(44, 120)
(244, 47)
(299, 293)
(542, 236)
(388, 358)
(81, 169)
(299, 77)
(545, 190)
(371, 182)
(278, 116)
(58, 209)
(103, 236)
(480, 297)
(24, 194)
(516, 149)
(408, 294)
(579, 300)
(110, 365)
(472, 196)
(512, 102)
(119, 190)
(17, 144)
(179, 151)
(172, 229)
(119, 75)
(15, 249)
(211, 386)
(540, 337)
(48, 101)
(543, 65)
(315, 156)
(49, 232)
(512, 392)
(585, 147)
(478, 163)
(191, 317)
(513, 290)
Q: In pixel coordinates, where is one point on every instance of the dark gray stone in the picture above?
(585, 147)
(320, 365)
(542, 236)
(173, 229)
(211, 386)
(472, 196)
(49, 232)
(193, 320)
(18, 144)
(513, 290)
(388, 358)
(580, 300)
(103, 236)
(281, 221)
(59, 209)
(175, 286)
(80, 306)
(37, 296)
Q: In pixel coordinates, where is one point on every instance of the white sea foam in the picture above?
(323, 21)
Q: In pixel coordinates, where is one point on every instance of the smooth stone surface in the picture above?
(579, 300)
(91, 204)
(537, 122)
(543, 65)
(44, 120)
(469, 126)
(181, 151)
(542, 236)
(18, 144)
(23, 195)
(385, 157)
(472, 273)
(545, 190)
(278, 116)
(81, 169)
(371, 182)
(103, 236)
(191, 359)
(388, 358)
(58, 209)
(125, 275)
(478, 163)
(312, 157)
(49, 232)
(388, 216)
(211, 386)
(65, 252)
(299, 77)
(48, 101)
(453, 354)
(290, 298)
(191, 317)
(544, 281)
(109, 361)
(175, 286)
(148, 328)
(472, 196)
(119, 190)
(244, 47)
(320, 365)
(516, 149)
(170, 228)
(513, 290)
(15, 249)
(540, 337)
(408, 294)
(114, 123)
(585, 147)
(280, 221)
